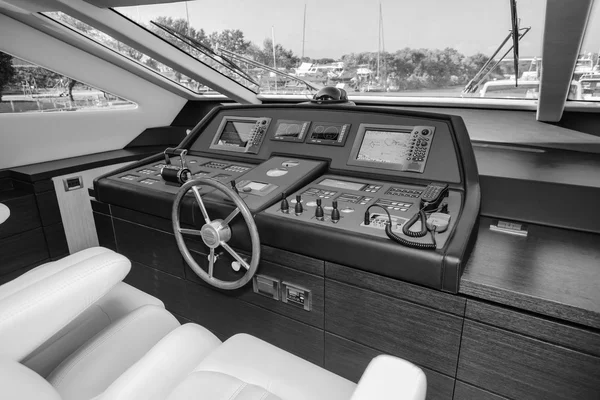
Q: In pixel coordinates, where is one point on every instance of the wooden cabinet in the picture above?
(519, 366)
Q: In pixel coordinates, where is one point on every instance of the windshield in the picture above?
(587, 68)
(392, 48)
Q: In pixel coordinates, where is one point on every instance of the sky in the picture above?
(338, 27)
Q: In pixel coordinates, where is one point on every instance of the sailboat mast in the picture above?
(304, 30)
(379, 42)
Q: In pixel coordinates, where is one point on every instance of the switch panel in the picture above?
(266, 286)
(296, 296)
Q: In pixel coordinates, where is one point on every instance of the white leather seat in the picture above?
(4, 213)
(145, 354)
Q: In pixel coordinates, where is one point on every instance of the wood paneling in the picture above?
(168, 288)
(21, 250)
(395, 288)
(47, 203)
(349, 359)
(76, 210)
(519, 367)
(416, 333)
(464, 391)
(582, 340)
(148, 246)
(552, 272)
(137, 217)
(104, 229)
(15, 274)
(293, 260)
(220, 312)
(56, 241)
(24, 214)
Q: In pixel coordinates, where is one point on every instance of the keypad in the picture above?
(394, 205)
(237, 168)
(406, 192)
(371, 188)
(149, 181)
(215, 165)
(147, 171)
(129, 177)
(324, 194)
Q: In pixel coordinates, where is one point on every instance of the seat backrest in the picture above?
(36, 305)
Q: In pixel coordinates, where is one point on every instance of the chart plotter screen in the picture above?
(236, 133)
(385, 146)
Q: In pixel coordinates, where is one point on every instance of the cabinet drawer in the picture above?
(419, 334)
(520, 367)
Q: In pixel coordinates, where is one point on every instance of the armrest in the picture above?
(19, 382)
(40, 303)
(388, 378)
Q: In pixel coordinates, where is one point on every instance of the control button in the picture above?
(425, 132)
(363, 202)
(396, 208)
(404, 209)
(311, 204)
(347, 210)
(290, 164)
(327, 208)
(246, 189)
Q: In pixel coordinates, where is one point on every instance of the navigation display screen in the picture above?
(236, 133)
(342, 184)
(291, 130)
(385, 146)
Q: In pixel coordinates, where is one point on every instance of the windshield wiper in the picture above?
(218, 55)
(207, 51)
(515, 38)
(275, 71)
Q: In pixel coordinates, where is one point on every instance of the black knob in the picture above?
(367, 220)
(335, 213)
(233, 186)
(285, 206)
(298, 209)
(319, 213)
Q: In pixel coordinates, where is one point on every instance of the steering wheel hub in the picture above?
(214, 233)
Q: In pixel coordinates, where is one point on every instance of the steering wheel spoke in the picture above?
(235, 255)
(200, 203)
(193, 232)
(231, 216)
(211, 263)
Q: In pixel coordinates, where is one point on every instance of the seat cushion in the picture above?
(93, 367)
(259, 363)
(218, 386)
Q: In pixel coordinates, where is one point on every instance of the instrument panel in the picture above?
(327, 181)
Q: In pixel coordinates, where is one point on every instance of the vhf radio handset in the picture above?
(437, 221)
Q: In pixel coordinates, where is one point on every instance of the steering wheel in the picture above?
(216, 233)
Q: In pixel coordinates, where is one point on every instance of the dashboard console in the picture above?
(326, 181)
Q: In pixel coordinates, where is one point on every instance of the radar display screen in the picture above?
(385, 146)
(292, 131)
(236, 133)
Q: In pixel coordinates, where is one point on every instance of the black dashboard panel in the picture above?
(442, 164)
(347, 159)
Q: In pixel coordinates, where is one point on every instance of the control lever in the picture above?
(335, 213)
(234, 187)
(319, 214)
(285, 206)
(298, 209)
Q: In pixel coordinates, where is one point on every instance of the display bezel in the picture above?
(303, 133)
(345, 131)
(214, 145)
(360, 135)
